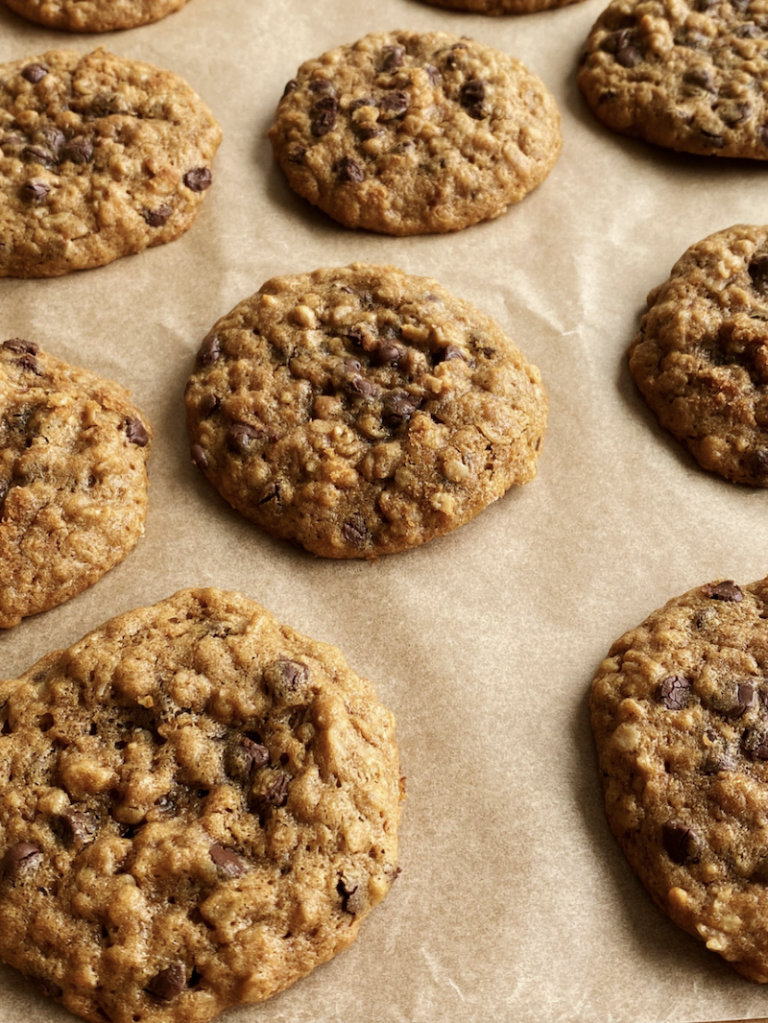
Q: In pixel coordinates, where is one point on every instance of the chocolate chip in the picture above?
(286, 678)
(136, 432)
(454, 57)
(296, 154)
(158, 216)
(352, 894)
(209, 350)
(743, 699)
(700, 78)
(209, 404)
(240, 436)
(364, 101)
(20, 857)
(79, 150)
(52, 137)
(11, 140)
(673, 692)
(726, 591)
(616, 41)
(270, 493)
(19, 347)
(198, 179)
(290, 87)
(277, 793)
(35, 191)
(714, 140)
(34, 72)
(348, 169)
(755, 744)
(359, 385)
(30, 364)
(432, 73)
(320, 85)
(168, 983)
(365, 132)
(76, 826)
(628, 56)
(46, 988)
(229, 862)
(758, 273)
(322, 123)
(389, 352)
(257, 754)
(680, 842)
(398, 407)
(355, 531)
(199, 457)
(717, 762)
(391, 58)
(395, 103)
(36, 154)
(451, 352)
(472, 92)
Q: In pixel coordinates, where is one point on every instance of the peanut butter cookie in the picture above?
(73, 479)
(409, 133)
(680, 716)
(94, 15)
(100, 157)
(360, 411)
(198, 806)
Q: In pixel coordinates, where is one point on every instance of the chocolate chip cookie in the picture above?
(360, 411)
(93, 15)
(701, 357)
(688, 76)
(100, 157)
(500, 6)
(680, 716)
(408, 133)
(73, 479)
(198, 806)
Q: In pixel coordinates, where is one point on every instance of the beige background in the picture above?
(514, 903)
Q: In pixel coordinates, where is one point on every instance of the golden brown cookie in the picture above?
(701, 357)
(100, 157)
(360, 411)
(691, 76)
(93, 15)
(680, 716)
(415, 133)
(499, 6)
(197, 807)
(73, 479)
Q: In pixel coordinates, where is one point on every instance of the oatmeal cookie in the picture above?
(100, 157)
(687, 76)
(701, 357)
(680, 717)
(408, 133)
(361, 411)
(93, 15)
(73, 479)
(198, 806)
(499, 6)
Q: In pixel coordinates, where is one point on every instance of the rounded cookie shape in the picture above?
(198, 806)
(494, 7)
(701, 357)
(100, 157)
(687, 76)
(73, 479)
(680, 717)
(94, 15)
(415, 133)
(360, 411)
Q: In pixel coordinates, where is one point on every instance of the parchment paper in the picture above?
(514, 902)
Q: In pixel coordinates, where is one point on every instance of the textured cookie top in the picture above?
(73, 479)
(93, 15)
(701, 357)
(198, 806)
(499, 6)
(691, 77)
(360, 411)
(680, 716)
(410, 133)
(100, 157)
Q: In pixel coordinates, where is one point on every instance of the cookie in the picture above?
(687, 76)
(408, 133)
(701, 357)
(73, 479)
(680, 716)
(360, 411)
(93, 15)
(198, 806)
(100, 157)
(500, 6)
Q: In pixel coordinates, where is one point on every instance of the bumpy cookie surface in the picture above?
(680, 716)
(361, 411)
(198, 806)
(73, 479)
(409, 133)
(500, 6)
(688, 76)
(100, 157)
(701, 357)
(94, 15)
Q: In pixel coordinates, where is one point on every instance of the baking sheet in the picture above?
(514, 902)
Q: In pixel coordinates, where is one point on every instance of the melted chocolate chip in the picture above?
(398, 407)
(75, 826)
(34, 72)
(30, 364)
(198, 179)
(19, 347)
(52, 137)
(20, 857)
(198, 456)
(277, 793)
(700, 78)
(628, 56)
(389, 353)
(241, 436)
(257, 754)
(358, 385)
(350, 170)
(228, 862)
(680, 842)
(168, 983)
(35, 191)
(209, 404)
(158, 216)
(36, 154)
(209, 350)
(673, 692)
(355, 531)
(286, 678)
(391, 58)
(78, 150)
(352, 896)
(395, 103)
(727, 591)
(323, 117)
(136, 432)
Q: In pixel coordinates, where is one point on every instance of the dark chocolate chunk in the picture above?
(680, 842)
(136, 432)
(673, 692)
(198, 179)
(78, 150)
(168, 983)
(322, 123)
(727, 591)
(158, 216)
(355, 531)
(395, 103)
(199, 457)
(209, 350)
(286, 678)
(35, 191)
(257, 754)
(209, 404)
(398, 407)
(352, 894)
(77, 827)
(19, 347)
(277, 793)
(34, 72)
(391, 58)
(20, 857)
(743, 699)
(350, 170)
(229, 862)
(240, 436)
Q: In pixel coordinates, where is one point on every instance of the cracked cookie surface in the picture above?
(361, 411)
(198, 806)
(701, 357)
(408, 133)
(73, 479)
(100, 157)
(94, 15)
(680, 717)
(687, 76)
